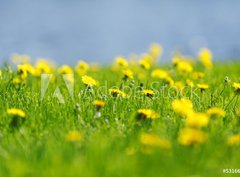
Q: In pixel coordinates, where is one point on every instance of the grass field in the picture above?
(180, 119)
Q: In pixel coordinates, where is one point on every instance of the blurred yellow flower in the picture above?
(117, 93)
(98, 103)
(128, 74)
(122, 62)
(65, 69)
(189, 83)
(89, 81)
(82, 67)
(155, 50)
(16, 112)
(215, 111)
(202, 87)
(147, 113)
(148, 93)
(17, 80)
(184, 67)
(169, 81)
(236, 86)
(20, 59)
(74, 136)
(159, 73)
(0, 73)
(154, 140)
(43, 67)
(205, 57)
(197, 75)
(145, 64)
(182, 106)
(234, 140)
(196, 119)
(190, 136)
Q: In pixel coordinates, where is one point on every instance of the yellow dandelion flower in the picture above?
(128, 74)
(190, 136)
(74, 136)
(202, 87)
(155, 50)
(169, 81)
(159, 73)
(0, 73)
(154, 140)
(182, 106)
(65, 69)
(117, 93)
(214, 112)
(184, 67)
(205, 57)
(176, 60)
(197, 75)
(82, 67)
(43, 67)
(145, 64)
(98, 103)
(234, 140)
(236, 86)
(196, 119)
(89, 81)
(179, 86)
(148, 93)
(122, 62)
(17, 81)
(16, 112)
(147, 114)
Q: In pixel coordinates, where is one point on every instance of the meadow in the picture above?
(136, 117)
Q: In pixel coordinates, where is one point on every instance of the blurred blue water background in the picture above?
(94, 30)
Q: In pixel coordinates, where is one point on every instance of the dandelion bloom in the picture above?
(236, 86)
(43, 67)
(205, 57)
(147, 114)
(82, 67)
(74, 136)
(89, 81)
(65, 69)
(148, 93)
(234, 140)
(197, 120)
(17, 80)
(155, 50)
(154, 140)
(214, 112)
(169, 81)
(184, 67)
(202, 87)
(117, 93)
(98, 103)
(179, 86)
(197, 75)
(182, 106)
(190, 136)
(159, 73)
(122, 62)
(145, 64)
(128, 74)
(16, 112)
